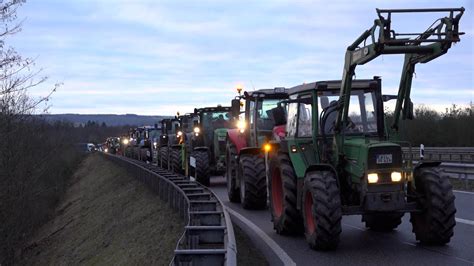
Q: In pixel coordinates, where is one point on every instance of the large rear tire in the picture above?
(176, 160)
(322, 210)
(163, 157)
(253, 182)
(282, 186)
(202, 167)
(382, 222)
(231, 173)
(435, 224)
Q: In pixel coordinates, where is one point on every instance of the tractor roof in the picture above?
(334, 85)
(277, 92)
(212, 109)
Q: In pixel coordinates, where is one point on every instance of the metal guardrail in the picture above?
(443, 154)
(208, 238)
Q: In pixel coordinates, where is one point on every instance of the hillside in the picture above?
(106, 218)
(108, 119)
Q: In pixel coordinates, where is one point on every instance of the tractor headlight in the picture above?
(372, 178)
(396, 176)
(125, 141)
(197, 130)
(106, 150)
(179, 134)
(241, 125)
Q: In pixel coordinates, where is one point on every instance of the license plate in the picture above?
(383, 159)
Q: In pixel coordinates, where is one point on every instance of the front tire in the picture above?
(163, 157)
(322, 210)
(202, 167)
(435, 224)
(282, 186)
(176, 160)
(231, 173)
(253, 182)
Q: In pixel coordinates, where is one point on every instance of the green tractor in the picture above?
(178, 149)
(207, 141)
(340, 158)
(168, 138)
(245, 164)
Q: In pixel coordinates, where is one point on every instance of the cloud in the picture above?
(152, 57)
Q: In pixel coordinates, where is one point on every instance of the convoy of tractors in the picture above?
(317, 151)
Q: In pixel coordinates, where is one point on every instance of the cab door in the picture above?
(300, 125)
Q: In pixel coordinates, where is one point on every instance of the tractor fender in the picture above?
(320, 167)
(177, 146)
(236, 138)
(250, 150)
(201, 148)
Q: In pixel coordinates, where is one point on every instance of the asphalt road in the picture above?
(359, 246)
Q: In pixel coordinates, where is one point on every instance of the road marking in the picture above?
(464, 221)
(282, 255)
(463, 192)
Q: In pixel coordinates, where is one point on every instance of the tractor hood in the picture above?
(366, 154)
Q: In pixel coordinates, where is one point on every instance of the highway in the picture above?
(358, 246)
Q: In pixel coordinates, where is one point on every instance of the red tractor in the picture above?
(256, 126)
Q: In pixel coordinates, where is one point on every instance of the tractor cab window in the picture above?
(292, 118)
(264, 113)
(362, 118)
(216, 119)
(305, 119)
(154, 133)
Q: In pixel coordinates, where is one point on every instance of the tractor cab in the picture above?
(211, 130)
(264, 114)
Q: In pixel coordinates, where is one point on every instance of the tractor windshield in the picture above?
(264, 113)
(215, 119)
(362, 117)
(153, 134)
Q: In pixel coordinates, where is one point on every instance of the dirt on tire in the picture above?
(106, 217)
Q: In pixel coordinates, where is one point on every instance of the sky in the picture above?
(159, 57)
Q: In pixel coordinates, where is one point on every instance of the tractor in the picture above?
(339, 156)
(245, 164)
(148, 143)
(169, 136)
(178, 149)
(207, 141)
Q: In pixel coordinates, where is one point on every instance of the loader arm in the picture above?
(417, 48)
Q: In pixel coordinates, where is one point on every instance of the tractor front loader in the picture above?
(338, 157)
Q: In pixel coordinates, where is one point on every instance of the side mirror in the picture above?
(235, 107)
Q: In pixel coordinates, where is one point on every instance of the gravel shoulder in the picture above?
(106, 217)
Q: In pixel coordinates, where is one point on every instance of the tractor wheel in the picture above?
(202, 167)
(382, 222)
(176, 162)
(163, 156)
(231, 173)
(322, 210)
(435, 224)
(253, 182)
(282, 186)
